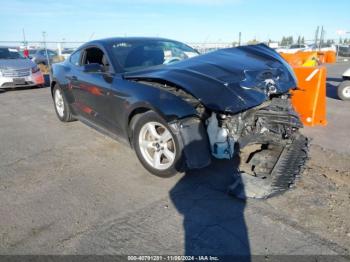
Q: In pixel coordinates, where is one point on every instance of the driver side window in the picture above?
(94, 55)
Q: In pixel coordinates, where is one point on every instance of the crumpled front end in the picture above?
(242, 100)
(227, 80)
(267, 140)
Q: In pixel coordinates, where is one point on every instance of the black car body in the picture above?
(214, 104)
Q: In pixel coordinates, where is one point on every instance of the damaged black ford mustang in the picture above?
(178, 108)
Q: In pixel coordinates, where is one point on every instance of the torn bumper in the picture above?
(272, 168)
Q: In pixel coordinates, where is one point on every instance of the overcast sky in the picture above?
(184, 20)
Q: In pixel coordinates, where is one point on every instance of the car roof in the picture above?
(119, 39)
(8, 47)
(116, 39)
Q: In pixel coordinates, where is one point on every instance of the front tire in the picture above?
(156, 146)
(61, 106)
(344, 90)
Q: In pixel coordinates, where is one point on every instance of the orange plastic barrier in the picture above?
(305, 58)
(331, 57)
(309, 100)
(300, 58)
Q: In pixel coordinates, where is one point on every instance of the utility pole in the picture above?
(239, 38)
(316, 36)
(47, 54)
(321, 39)
(24, 39)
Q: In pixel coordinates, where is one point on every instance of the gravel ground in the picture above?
(66, 189)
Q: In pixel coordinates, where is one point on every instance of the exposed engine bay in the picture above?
(267, 140)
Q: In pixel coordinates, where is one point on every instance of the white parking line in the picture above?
(312, 75)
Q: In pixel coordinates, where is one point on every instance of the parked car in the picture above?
(344, 87)
(66, 52)
(323, 47)
(344, 50)
(17, 71)
(39, 56)
(299, 46)
(177, 108)
(294, 48)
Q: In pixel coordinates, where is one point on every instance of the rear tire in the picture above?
(156, 146)
(344, 90)
(62, 109)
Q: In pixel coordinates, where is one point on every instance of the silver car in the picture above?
(17, 71)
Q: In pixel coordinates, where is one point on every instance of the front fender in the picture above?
(170, 111)
(182, 119)
(194, 141)
(141, 97)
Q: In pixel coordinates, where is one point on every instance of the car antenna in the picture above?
(91, 36)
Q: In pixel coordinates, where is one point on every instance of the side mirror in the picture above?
(93, 68)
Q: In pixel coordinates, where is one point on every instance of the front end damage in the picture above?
(267, 141)
(243, 106)
(265, 138)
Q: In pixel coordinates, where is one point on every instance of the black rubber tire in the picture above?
(67, 115)
(341, 90)
(136, 124)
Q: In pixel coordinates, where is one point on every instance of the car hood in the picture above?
(227, 80)
(16, 63)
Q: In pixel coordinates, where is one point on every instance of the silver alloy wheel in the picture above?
(157, 145)
(59, 103)
(346, 92)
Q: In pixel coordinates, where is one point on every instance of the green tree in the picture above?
(283, 41)
(253, 42)
(287, 40)
(291, 41)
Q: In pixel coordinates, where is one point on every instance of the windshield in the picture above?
(9, 53)
(133, 55)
